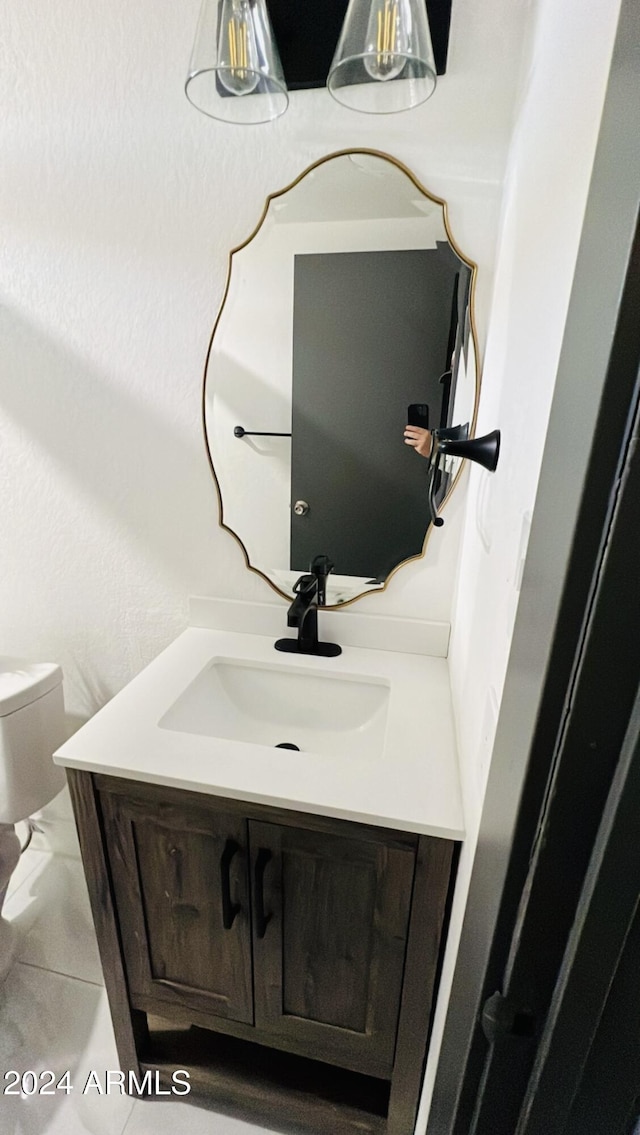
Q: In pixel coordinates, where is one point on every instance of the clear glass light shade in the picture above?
(235, 73)
(384, 59)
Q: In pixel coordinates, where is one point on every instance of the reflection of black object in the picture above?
(445, 381)
(239, 431)
(452, 433)
(356, 370)
(418, 415)
(303, 613)
(320, 566)
(453, 442)
(435, 480)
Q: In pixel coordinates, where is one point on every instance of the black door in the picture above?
(586, 1076)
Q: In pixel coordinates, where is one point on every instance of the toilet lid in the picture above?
(22, 682)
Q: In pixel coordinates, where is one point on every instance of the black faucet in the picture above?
(310, 593)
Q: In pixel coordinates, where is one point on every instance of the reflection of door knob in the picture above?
(301, 508)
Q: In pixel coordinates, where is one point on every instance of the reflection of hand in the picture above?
(420, 439)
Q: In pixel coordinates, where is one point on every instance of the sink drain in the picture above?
(287, 745)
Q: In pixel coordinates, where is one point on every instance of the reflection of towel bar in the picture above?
(239, 431)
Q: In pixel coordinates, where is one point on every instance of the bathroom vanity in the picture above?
(271, 920)
(269, 836)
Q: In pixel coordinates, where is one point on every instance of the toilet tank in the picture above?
(31, 729)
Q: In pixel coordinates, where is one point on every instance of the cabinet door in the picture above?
(330, 918)
(180, 876)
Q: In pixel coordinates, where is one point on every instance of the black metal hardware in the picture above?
(454, 433)
(434, 485)
(483, 450)
(229, 908)
(502, 1019)
(455, 442)
(310, 592)
(262, 919)
(239, 431)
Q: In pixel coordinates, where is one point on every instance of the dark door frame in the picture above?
(600, 936)
(588, 444)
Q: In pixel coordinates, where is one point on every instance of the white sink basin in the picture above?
(274, 705)
(375, 730)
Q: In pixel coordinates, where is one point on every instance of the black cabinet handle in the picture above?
(229, 909)
(262, 919)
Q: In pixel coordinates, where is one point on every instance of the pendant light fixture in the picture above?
(235, 74)
(383, 62)
(384, 59)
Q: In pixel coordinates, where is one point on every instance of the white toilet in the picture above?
(31, 729)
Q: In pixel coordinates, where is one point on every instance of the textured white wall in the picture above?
(118, 204)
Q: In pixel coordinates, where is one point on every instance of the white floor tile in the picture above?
(52, 915)
(152, 1118)
(49, 1022)
(56, 835)
(26, 865)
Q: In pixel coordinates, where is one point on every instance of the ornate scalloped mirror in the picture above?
(347, 312)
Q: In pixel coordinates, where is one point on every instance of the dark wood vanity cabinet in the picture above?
(273, 930)
(329, 951)
(174, 867)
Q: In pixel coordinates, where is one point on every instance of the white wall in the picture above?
(546, 189)
(118, 205)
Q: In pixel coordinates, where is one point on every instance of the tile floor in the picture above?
(54, 1014)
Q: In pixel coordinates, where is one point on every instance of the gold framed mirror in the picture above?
(347, 312)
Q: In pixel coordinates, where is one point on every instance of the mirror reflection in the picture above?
(347, 318)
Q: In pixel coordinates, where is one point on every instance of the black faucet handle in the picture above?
(309, 591)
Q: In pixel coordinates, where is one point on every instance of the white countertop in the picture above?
(412, 786)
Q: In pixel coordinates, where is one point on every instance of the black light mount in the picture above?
(455, 442)
(307, 33)
(484, 451)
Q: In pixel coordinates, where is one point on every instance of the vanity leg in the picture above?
(129, 1024)
(426, 935)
